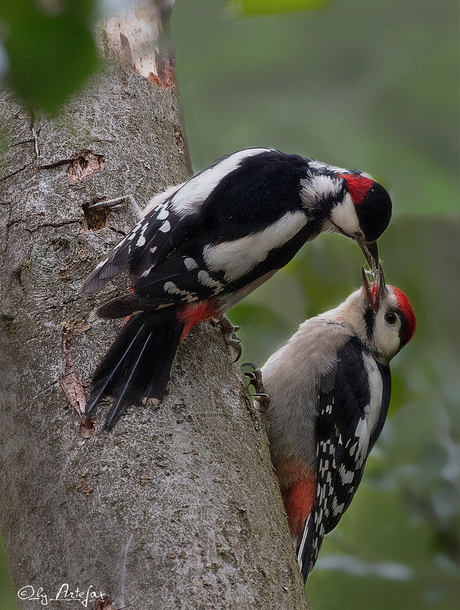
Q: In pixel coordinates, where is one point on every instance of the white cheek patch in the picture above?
(238, 257)
(344, 216)
(386, 337)
(189, 197)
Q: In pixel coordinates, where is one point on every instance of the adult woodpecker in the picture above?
(204, 245)
(327, 396)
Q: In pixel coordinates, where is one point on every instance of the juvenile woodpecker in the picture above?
(204, 245)
(328, 393)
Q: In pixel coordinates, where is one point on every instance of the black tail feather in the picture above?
(119, 307)
(309, 547)
(138, 365)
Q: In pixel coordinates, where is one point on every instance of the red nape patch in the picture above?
(406, 309)
(193, 314)
(298, 501)
(357, 186)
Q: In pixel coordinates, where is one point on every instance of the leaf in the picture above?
(50, 54)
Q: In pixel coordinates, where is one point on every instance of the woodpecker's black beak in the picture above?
(371, 252)
(374, 295)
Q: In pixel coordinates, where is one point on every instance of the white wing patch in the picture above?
(372, 411)
(368, 423)
(191, 195)
(238, 257)
(347, 476)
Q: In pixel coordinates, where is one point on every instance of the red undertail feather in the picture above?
(192, 314)
(298, 501)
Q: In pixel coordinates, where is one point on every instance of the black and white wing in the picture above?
(239, 220)
(353, 404)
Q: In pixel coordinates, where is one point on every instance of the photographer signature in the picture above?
(64, 594)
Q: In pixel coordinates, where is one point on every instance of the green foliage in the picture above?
(51, 52)
(7, 596)
(372, 86)
(258, 8)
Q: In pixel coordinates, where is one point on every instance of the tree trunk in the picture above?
(177, 507)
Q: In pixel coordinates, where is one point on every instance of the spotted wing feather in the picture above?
(343, 443)
(143, 247)
(209, 238)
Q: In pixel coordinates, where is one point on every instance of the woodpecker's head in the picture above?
(388, 318)
(363, 213)
(380, 315)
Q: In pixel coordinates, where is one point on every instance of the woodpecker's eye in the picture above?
(390, 318)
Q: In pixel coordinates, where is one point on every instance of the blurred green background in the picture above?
(373, 86)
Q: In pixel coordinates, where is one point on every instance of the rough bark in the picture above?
(177, 507)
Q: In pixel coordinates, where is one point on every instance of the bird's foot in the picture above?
(230, 335)
(255, 379)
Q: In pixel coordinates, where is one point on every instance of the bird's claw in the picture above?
(230, 337)
(255, 379)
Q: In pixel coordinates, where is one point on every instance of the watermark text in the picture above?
(65, 593)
